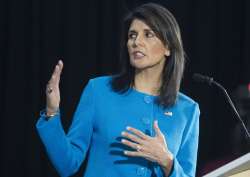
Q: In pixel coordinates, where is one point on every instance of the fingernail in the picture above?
(123, 133)
(125, 152)
(123, 140)
(128, 128)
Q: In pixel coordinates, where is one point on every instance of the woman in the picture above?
(136, 123)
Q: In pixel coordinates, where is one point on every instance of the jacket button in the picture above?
(147, 99)
(145, 120)
(141, 171)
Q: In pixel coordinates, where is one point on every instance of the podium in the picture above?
(237, 168)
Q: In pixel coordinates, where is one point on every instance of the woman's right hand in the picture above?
(53, 91)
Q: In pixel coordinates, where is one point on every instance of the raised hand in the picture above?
(53, 91)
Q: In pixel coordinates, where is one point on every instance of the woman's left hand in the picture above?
(153, 149)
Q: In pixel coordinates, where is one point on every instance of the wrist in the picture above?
(51, 112)
(47, 114)
(166, 161)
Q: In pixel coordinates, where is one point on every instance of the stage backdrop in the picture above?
(34, 34)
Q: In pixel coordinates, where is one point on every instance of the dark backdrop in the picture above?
(34, 34)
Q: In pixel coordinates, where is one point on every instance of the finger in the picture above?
(55, 78)
(59, 72)
(139, 154)
(52, 80)
(133, 153)
(157, 129)
(132, 145)
(132, 137)
(138, 133)
(60, 63)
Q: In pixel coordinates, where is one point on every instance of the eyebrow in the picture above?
(134, 31)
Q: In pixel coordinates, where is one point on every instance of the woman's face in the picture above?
(145, 49)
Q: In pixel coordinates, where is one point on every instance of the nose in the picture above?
(137, 41)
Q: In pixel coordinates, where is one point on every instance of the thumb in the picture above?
(157, 129)
(58, 72)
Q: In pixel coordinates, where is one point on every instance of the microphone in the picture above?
(200, 78)
(210, 81)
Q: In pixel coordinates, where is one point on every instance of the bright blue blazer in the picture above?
(102, 115)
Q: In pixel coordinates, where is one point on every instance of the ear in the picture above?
(167, 52)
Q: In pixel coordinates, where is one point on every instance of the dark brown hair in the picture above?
(163, 23)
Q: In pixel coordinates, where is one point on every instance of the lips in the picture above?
(138, 54)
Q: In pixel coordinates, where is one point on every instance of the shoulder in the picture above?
(101, 81)
(185, 99)
(98, 87)
(101, 84)
(187, 103)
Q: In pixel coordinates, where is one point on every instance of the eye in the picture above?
(149, 34)
(132, 35)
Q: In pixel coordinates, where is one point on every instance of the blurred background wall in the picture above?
(34, 34)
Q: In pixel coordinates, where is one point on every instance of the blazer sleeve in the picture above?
(185, 161)
(67, 151)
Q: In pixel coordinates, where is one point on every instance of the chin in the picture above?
(140, 66)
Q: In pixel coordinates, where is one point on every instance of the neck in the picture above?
(148, 81)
